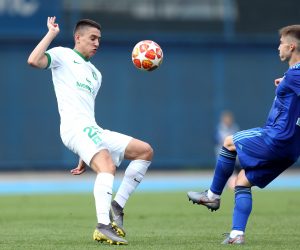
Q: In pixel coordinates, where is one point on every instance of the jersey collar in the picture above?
(295, 66)
(82, 56)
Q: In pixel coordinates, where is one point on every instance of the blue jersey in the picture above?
(282, 128)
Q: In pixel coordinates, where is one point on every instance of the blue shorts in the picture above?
(260, 162)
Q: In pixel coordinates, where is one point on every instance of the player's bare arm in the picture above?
(81, 168)
(37, 57)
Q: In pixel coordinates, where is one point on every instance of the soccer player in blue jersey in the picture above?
(264, 152)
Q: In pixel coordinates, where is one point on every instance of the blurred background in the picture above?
(219, 55)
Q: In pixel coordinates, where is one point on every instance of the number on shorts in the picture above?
(93, 133)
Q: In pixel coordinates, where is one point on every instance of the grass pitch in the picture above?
(153, 221)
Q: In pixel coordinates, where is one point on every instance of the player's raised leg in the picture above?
(223, 170)
(140, 153)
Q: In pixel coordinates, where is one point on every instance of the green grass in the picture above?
(153, 221)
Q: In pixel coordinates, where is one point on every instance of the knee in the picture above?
(139, 150)
(107, 168)
(147, 152)
(102, 162)
(242, 180)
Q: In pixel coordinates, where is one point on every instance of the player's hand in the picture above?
(52, 25)
(277, 81)
(81, 168)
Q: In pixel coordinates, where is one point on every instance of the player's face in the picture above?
(87, 41)
(285, 48)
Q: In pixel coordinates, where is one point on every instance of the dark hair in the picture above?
(291, 30)
(86, 22)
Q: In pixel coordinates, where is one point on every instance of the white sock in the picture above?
(235, 233)
(212, 195)
(103, 193)
(134, 174)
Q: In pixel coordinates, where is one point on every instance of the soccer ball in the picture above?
(147, 55)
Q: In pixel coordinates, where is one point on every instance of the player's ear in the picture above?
(76, 37)
(292, 46)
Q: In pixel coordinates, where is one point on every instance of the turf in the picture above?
(153, 221)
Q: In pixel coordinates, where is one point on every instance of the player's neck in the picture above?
(294, 60)
(80, 54)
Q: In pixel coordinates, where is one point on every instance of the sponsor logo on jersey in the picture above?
(76, 62)
(298, 122)
(88, 81)
(85, 87)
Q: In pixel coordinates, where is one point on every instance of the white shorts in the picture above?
(88, 139)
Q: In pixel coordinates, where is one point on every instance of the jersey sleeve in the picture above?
(54, 56)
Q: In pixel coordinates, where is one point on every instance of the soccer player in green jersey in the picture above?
(76, 82)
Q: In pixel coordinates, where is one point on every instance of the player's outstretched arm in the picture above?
(37, 57)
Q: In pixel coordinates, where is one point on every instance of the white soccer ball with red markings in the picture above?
(147, 55)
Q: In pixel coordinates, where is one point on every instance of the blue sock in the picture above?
(242, 208)
(224, 169)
